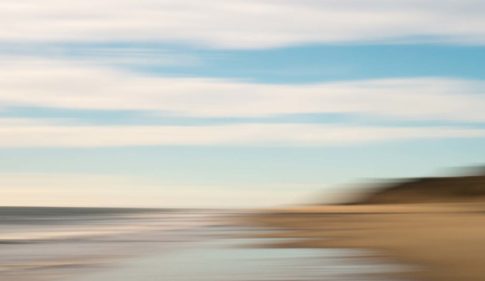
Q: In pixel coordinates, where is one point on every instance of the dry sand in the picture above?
(445, 242)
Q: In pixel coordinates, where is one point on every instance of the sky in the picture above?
(234, 103)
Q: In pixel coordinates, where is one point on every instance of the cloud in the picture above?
(112, 55)
(35, 82)
(244, 23)
(23, 134)
(47, 83)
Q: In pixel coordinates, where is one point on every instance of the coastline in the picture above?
(443, 242)
(186, 246)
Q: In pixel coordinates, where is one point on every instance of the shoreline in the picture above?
(444, 242)
(64, 243)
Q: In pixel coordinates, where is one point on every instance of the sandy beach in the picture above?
(443, 242)
(190, 245)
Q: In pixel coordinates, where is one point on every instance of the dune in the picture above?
(425, 190)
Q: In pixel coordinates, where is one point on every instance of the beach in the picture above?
(56, 244)
(399, 242)
(442, 242)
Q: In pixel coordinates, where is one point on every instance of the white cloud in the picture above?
(71, 135)
(73, 85)
(243, 23)
(127, 56)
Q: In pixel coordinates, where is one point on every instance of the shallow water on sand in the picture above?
(225, 261)
(162, 245)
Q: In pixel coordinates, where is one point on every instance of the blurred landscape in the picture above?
(413, 229)
(242, 140)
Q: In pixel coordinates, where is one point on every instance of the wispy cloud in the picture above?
(62, 84)
(35, 82)
(22, 134)
(113, 55)
(244, 23)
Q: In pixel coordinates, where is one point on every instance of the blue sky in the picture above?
(234, 103)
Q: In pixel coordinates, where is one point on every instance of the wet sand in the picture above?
(444, 242)
(236, 260)
(172, 246)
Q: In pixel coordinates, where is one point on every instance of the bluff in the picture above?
(427, 190)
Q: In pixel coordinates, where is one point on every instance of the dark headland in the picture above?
(429, 190)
